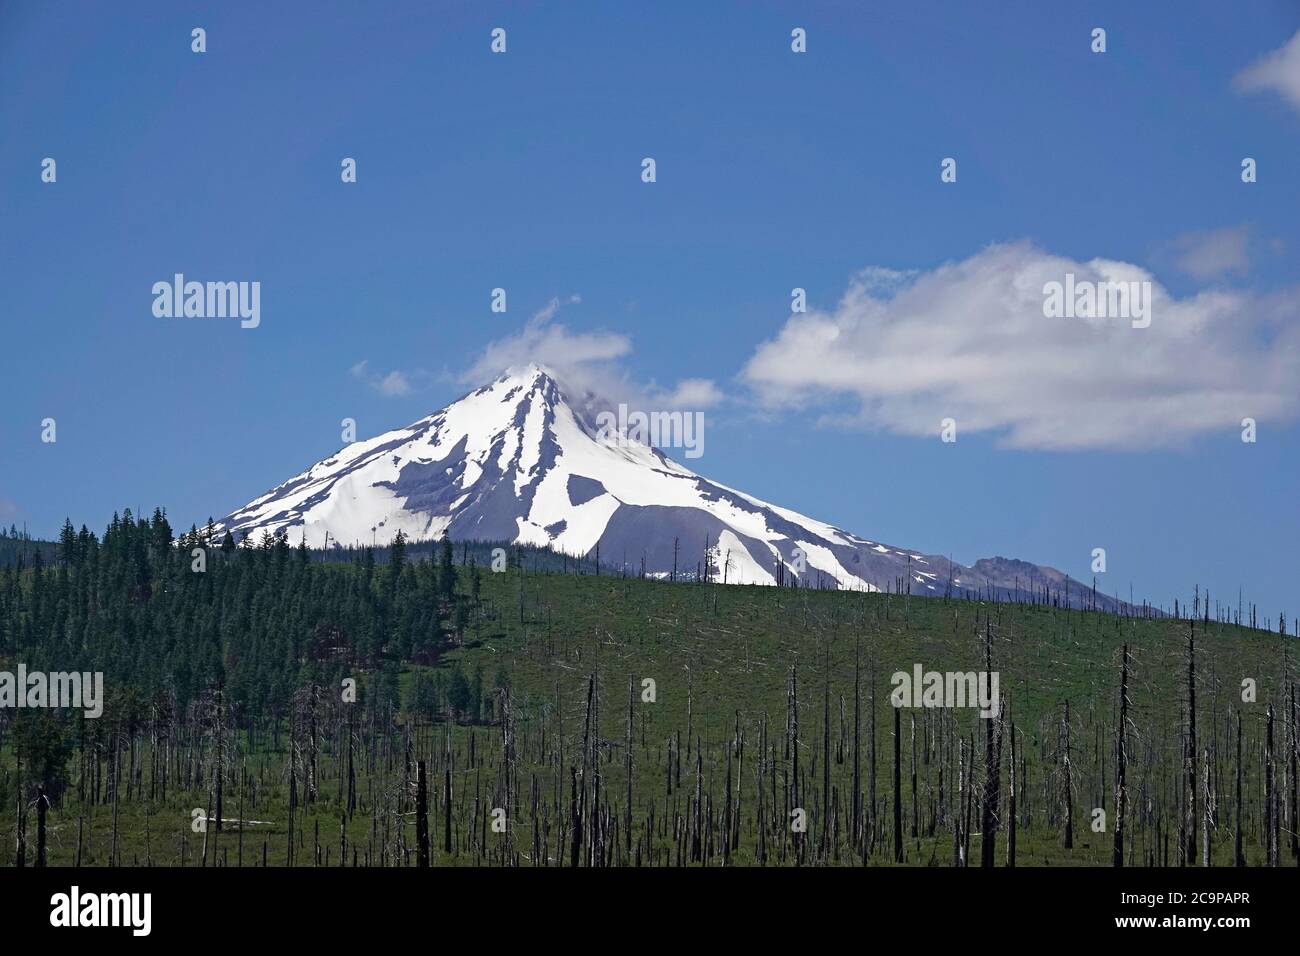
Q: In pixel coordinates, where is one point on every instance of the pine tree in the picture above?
(458, 694)
(476, 693)
(446, 572)
(68, 544)
(396, 559)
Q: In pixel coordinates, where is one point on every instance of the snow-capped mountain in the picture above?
(518, 460)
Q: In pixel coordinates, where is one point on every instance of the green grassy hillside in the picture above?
(618, 721)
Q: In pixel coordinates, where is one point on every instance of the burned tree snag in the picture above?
(1121, 762)
(1191, 796)
(898, 786)
(421, 817)
(1239, 856)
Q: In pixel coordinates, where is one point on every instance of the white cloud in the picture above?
(547, 312)
(695, 394)
(579, 355)
(588, 362)
(968, 340)
(1278, 72)
(392, 384)
(395, 383)
(1212, 254)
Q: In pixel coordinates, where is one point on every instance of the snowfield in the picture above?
(515, 460)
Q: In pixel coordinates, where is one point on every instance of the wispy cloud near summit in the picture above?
(574, 354)
(588, 361)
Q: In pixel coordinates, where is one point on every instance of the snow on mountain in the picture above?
(518, 460)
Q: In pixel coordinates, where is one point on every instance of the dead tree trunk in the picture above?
(871, 817)
(421, 816)
(1121, 762)
(42, 804)
(992, 770)
(1192, 796)
(1069, 779)
(958, 857)
(898, 785)
(1011, 801)
(627, 817)
(1295, 785)
(1239, 857)
(446, 797)
(857, 750)
(1270, 793)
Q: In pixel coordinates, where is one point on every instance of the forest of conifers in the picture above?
(270, 705)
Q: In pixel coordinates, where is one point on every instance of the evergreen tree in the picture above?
(85, 544)
(162, 530)
(396, 558)
(423, 697)
(446, 572)
(68, 544)
(476, 693)
(458, 694)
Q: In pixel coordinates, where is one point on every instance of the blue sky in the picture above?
(774, 170)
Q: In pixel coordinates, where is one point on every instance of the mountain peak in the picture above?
(531, 373)
(520, 382)
(516, 460)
